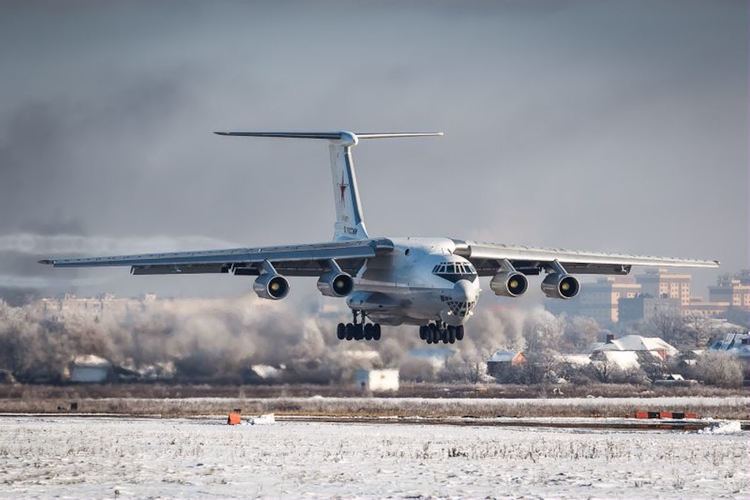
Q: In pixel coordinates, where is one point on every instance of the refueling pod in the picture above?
(509, 283)
(560, 286)
(335, 282)
(270, 284)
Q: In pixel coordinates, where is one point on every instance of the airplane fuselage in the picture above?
(420, 281)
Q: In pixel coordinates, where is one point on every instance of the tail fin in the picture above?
(350, 224)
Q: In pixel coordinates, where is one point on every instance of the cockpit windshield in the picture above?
(454, 271)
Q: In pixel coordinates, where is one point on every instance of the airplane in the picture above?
(432, 283)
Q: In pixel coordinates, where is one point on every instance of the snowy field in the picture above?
(106, 457)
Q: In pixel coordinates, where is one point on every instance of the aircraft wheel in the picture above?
(433, 334)
(423, 332)
(341, 331)
(460, 332)
(349, 331)
(368, 331)
(376, 331)
(452, 334)
(444, 336)
(359, 332)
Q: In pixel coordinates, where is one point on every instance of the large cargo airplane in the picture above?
(429, 282)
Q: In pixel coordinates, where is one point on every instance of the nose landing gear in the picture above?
(440, 332)
(358, 330)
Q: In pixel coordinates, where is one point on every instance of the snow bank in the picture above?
(723, 427)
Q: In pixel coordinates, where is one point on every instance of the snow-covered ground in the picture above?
(103, 457)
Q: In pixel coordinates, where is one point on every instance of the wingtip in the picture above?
(221, 132)
(48, 262)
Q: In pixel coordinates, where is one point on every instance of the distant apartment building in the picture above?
(644, 307)
(598, 300)
(662, 283)
(733, 290)
(100, 306)
(623, 299)
(699, 308)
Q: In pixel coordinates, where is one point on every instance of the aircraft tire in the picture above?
(376, 331)
(368, 331)
(359, 332)
(433, 334)
(452, 334)
(423, 332)
(349, 331)
(460, 332)
(341, 331)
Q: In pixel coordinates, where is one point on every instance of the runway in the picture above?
(104, 456)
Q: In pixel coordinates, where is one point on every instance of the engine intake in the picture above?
(560, 286)
(335, 283)
(271, 285)
(509, 284)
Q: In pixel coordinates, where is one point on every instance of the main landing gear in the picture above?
(358, 330)
(439, 331)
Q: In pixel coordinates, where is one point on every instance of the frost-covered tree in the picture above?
(720, 369)
(542, 331)
(579, 333)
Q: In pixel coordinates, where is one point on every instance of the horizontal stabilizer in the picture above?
(333, 136)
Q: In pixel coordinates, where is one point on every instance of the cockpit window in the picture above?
(454, 271)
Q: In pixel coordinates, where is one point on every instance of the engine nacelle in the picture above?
(335, 283)
(271, 286)
(509, 284)
(560, 286)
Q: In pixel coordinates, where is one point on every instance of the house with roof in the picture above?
(654, 346)
(502, 361)
(624, 360)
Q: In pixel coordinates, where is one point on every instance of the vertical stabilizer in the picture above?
(350, 224)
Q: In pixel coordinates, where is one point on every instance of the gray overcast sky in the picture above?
(601, 125)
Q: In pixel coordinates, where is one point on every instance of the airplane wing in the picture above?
(290, 260)
(488, 258)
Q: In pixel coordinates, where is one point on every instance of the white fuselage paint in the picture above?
(401, 287)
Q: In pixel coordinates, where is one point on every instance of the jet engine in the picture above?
(509, 283)
(560, 286)
(271, 285)
(336, 283)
